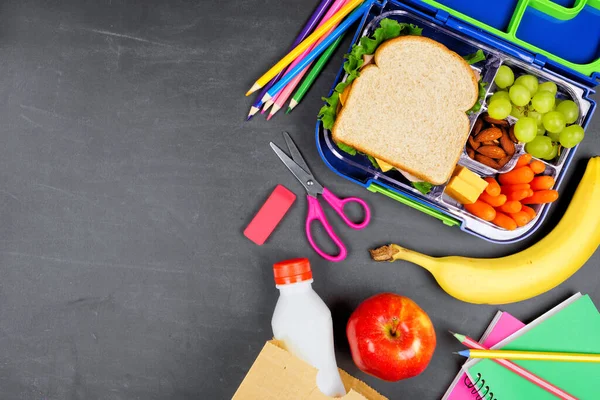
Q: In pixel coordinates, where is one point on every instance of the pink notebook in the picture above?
(502, 326)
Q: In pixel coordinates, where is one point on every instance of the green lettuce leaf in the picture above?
(477, 106)
(373, 161)
(423, 187)
(348, 149)
(475, 57)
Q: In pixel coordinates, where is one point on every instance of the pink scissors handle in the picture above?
(338, 205)
(315, 212)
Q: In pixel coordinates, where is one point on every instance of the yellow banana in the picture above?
(529, 273)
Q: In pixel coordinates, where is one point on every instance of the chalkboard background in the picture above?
(127, 174)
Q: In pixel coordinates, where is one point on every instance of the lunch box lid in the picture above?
(562, 36)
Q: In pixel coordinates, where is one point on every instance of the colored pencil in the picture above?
(531, 355)
(266, 106)
(308, 27)
(356, 14)
(312, 75)
(281, 97)
(306, 43)
(558, 392)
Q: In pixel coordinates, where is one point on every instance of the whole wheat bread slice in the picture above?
(409, 108)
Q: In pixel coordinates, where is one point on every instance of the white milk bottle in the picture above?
(302, 321)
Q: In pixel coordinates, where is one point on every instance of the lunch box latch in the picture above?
(540, 60)
(442, 16)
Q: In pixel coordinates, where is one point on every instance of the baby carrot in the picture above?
(493, 189)
(518, 195)
(481, 210)
(529, 211)
(537, 166)
(506, 189)
(510, 207)
(504, 221)
(542, 182)
(523, 160)
(521, 218)
(541, 197)
(517, 175)
(494, 201)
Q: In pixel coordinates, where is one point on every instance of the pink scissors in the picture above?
(297, 165)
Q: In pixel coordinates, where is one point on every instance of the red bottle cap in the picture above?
(292, 271)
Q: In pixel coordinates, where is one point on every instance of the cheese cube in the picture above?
(470, 177)
(462, 191)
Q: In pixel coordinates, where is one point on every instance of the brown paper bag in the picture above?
(278, 375)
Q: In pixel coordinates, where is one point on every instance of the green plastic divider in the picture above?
(446, 219)
(549, 8)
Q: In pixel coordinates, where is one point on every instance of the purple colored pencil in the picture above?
(313, 21)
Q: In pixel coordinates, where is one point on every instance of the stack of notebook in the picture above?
(573, 326)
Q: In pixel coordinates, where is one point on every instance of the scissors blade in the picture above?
(296, 155)
(311, 186)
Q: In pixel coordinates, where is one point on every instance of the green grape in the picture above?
(554, 121)
(548, 87)
(504, 77)
(501, 94)
(571, 136)
(569, 109)
(525, 129)
(554, 136)
(519, 95)
(553, 153)
(541, 130)
(517, 112)
(543, 102)
(499, 109)
(529, 81)
(539, 147)
(537, 116)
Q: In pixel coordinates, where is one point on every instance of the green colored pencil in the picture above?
(312, 75)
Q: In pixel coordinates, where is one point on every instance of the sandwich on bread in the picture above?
(409, 107)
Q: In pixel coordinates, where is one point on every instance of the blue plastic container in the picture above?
(464, 38)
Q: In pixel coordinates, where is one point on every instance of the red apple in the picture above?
(390, 337)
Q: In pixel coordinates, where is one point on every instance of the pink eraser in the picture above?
(269, 215)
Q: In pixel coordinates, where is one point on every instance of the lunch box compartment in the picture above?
(563, 37)
(565, 32)
(453, 35)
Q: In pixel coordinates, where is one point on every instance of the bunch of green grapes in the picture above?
(544, 122)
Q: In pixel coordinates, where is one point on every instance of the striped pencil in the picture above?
(473, 344)
(312, 75)
(284, 94)
(306, 30)
(316, 52)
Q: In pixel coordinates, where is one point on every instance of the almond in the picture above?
(488, 135)
(473, 143)
(471, 153)
(507, 145)
(494, 121)
(477, 127)
(492, 151)
(487, 161)
(490, 143)
(502, 162)
(511, 134)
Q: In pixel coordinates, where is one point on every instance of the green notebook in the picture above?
(573, 326)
